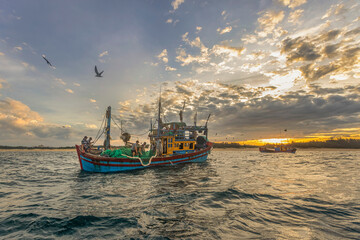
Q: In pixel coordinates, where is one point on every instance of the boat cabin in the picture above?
(176, 137)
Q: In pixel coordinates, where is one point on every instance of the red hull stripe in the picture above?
(161, 159)
(78, 153)
(139, 164)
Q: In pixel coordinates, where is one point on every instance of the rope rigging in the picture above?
(101, 127)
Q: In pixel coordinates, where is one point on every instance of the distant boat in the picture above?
(278, 149)
(171, 143)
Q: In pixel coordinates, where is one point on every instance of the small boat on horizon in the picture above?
(170, 143)
(277, 149)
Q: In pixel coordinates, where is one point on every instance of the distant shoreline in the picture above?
(214, 149)
(37, 149)
(298, 149)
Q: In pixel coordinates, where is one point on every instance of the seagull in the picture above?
(47, 61)
(97, 72)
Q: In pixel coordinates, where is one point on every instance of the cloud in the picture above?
(176, 4)
(292, 3)
(268, 21)
(170, 68)
(17, 115)
(2, 54)
(225, 30)
(335, 9)
(18, 124)
(3, 83)
(59, 80)
(105, 53)
(253, 110)
(69, 90)
(355, 31)
(198, 29)
(76, 84)
(230, 51)
(295, 15)
(163, 56)
(169, 21)
(18, 48)
(186, 59)
(92, 100)
(91, 126)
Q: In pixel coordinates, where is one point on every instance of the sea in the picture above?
(236, 194)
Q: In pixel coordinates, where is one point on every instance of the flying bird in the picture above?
(97, 72)
(47, 61)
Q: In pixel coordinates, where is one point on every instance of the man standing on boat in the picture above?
(84, 143)
(134, 148)
(158, 147)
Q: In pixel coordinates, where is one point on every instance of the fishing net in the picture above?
(125, 153)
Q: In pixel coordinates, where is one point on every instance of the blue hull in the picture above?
(94, 163)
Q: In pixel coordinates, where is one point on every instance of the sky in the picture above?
(258, 67)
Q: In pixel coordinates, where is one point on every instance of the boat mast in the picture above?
(158, 130)
(107, 129)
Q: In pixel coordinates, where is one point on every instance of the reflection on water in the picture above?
(235, 194)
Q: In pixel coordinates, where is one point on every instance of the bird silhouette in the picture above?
(97, 72)
(47, 61)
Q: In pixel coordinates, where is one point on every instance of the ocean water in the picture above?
(313, 194)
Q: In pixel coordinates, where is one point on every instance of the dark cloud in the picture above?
(311, 73)
(355, 31)
(328, 36)
(299, 49)
(331, 50)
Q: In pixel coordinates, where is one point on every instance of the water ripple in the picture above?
(234, 195)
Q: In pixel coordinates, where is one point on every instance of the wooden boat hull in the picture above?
(94, 163)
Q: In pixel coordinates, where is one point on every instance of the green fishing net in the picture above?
(124, 152)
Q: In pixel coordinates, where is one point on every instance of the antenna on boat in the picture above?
(206, 125)
(107, 129)
(207, 120)
(195, 118)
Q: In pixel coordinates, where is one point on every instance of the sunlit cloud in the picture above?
(170, 68)
(163, 56)
(2, 54)
(225, 30)
(91, 126)
(92, 100)
(3, 83)
(76, 84)
(105, 53)
(69, 90)
(335, 9)
(268, 21)
(292, 3)
(295, 15)
(18, 48)
(169, 20)
(59, 80)
(176, 3)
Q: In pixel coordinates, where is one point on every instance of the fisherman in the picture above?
(143, 147)
(89, 144)
(158, 147)
(134, 148)
(84, 143)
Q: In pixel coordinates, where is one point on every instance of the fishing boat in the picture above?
(170, 144)
(278, 149)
